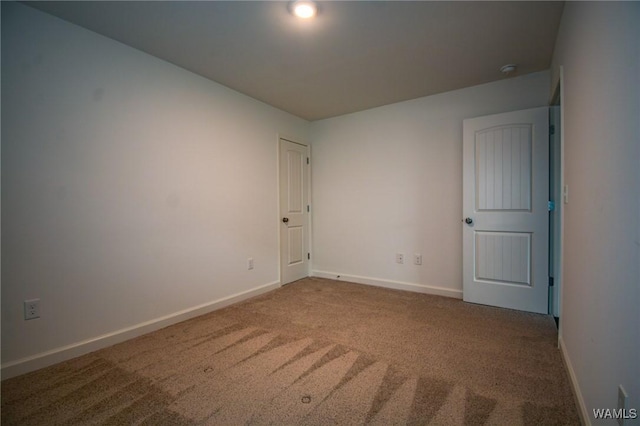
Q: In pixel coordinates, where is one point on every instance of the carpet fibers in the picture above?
(314, 352)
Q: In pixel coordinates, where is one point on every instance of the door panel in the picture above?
(295, 181)
(294, 224)
(296, 245)
(503, 257)
(503, 168)
(505, 197)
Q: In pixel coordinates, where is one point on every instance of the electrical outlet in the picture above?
(417, 259)
(399, 258)
(622, 404)
(31, 309)
(250, 263)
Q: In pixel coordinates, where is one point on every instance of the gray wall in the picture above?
(132, 190)
(389, 180)
(598, 47)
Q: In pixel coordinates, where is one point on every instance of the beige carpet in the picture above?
(314, 352)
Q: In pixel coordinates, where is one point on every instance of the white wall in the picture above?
(598, 47)
(389, 180)
(131, 189)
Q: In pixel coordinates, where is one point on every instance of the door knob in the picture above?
(468, 221)
(285, 219)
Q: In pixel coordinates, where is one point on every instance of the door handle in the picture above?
(468, 221)
(285, 219)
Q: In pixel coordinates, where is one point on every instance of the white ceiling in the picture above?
(353, 56)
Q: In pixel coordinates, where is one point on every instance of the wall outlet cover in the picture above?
(31, 309)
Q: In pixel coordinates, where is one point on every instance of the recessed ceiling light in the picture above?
(304, 9)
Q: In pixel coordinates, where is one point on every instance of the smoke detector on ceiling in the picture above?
(508, 69)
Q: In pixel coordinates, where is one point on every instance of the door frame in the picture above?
(279, 213)
(557, 99)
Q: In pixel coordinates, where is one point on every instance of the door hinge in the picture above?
(552, 129)
(550, 281)
(551, 205)
(307, 160)
(309, 256)
(307, 208)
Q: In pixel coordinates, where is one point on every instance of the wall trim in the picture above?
(396, 285)
(64, 353)
(585, 418)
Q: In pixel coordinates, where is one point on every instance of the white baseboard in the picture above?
(45, 359)
(397, 285)
(585, 418)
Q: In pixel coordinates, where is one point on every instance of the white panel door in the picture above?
(505, 211)
(294, 222)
